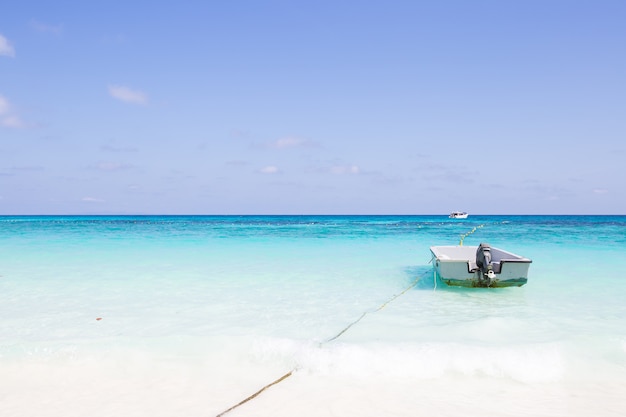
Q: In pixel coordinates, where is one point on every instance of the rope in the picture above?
(398, 295)
(282, 378)
(469, 233)
(345, 330)
(373, 311)
(288, 374)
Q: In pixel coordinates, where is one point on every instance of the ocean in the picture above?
(191, 315)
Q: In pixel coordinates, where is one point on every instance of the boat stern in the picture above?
(459, 266)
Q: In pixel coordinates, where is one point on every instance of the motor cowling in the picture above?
(483, 261)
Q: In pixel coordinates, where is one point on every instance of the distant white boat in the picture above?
(458, 215)
(479, 266)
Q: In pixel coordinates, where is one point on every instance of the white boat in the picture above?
(458, 215)
(479, 266)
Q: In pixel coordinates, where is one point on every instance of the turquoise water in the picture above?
(188, 315)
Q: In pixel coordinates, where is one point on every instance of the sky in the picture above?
(313, 107)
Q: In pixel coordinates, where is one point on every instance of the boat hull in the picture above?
(458, 215)
(456, 266)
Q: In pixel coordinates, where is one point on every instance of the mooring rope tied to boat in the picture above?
(373, 311)
(288, 374)
(463, 236)
(480, 226)
(344, 330)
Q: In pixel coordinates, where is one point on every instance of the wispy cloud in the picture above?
(445, 173)
(600, 191)
(6, 48)
(7, 117)
(4, 106)
(344, 169)
(546, 191)
(45, 28)
(111, 166)
(28, 168)
(270, 169)
(92, 200)
(239, 134)
(289, 142)
(336, 167)
(292, 142)
(11, 121)
(127, 95)
(111, 148)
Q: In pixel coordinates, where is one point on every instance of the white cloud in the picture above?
(111, 166)
(111, 148)
(11, 121)
(4, 106)
(92, 200)
(127, 95)
(28, 168)
(600, 191)
(7, 117)
(270, 169)
(344, 169)
(5, 47)
(290, 142)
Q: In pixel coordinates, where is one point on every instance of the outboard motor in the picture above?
(483, 260)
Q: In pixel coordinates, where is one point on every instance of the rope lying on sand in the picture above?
(288, 374)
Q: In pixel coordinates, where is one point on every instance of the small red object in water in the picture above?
(99, 318)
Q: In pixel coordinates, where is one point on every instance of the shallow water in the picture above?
(188, 315)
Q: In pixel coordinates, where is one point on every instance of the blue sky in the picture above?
(313, 107)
